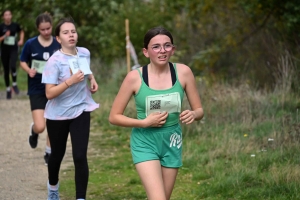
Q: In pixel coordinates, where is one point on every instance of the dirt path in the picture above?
(23, 174)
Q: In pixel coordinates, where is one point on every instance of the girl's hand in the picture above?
(77, 77)
(94, 86)
(31, 72)
(156, 119)
(20, 42)
(187, 117)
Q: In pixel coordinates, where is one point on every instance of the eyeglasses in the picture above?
(167, 47)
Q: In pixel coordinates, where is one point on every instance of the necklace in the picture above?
(70, 54)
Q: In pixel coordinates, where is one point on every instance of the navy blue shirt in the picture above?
(33, 50)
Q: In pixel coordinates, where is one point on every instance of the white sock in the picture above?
(14, 83)
(52, 187)
(48, 150)
(8, 89)
(80, 199)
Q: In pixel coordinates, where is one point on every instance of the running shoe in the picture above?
(8, 94)
(16, 89)
(52, 194)
(33, 138)
(46, 158)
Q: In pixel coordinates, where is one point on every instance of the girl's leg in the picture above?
(13, 67)
(58, 131)
(150, 173)
(47, 150)
(37, 127)
(5, 63)
(80, 131)
(38, 104)
(169, 178)
(48, 142)
(39, 123)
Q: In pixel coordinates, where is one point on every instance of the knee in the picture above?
(38, 128)
(56, 158)
(80, 158)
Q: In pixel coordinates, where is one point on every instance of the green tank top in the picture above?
(148, 100)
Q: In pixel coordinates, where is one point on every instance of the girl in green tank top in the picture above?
(158, 89)
(169, 100)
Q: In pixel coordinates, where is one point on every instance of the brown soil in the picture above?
(23, 174)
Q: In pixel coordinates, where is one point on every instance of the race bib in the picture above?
(38, 65)
(81, 63)
(9, 40)
(170, 103)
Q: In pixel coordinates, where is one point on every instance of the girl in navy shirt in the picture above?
(36, 52)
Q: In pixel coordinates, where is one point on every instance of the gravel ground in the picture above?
(23, 174)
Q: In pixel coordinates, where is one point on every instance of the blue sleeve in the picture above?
(25, 55)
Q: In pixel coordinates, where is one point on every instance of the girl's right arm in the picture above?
(26, 57)
(4, 36)
(130, 86)
(127, 89)
(53, 90)
(27, 69)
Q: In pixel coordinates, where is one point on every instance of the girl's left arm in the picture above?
(196, 112)
(21, 40)
(94, 85)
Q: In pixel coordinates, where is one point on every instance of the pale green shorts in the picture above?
(163, 144)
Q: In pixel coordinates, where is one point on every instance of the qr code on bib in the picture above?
(36, 65)
(155, 104)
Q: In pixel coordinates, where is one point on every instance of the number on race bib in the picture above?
(154, 105)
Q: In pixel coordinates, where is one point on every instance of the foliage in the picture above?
(228, 40)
